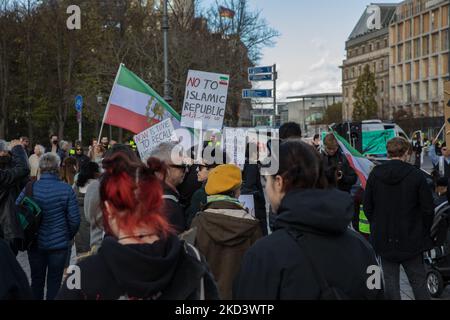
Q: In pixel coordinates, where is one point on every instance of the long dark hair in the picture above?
(300, 166)
(88, 171)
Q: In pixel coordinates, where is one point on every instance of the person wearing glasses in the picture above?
(80, 156)
(173, 156)
(199, 198)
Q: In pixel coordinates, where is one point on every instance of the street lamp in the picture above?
(99, 102)
(165, 27)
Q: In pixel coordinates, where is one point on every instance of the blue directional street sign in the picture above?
(259, 70)
(258, 93)
(260, 77)
(79, 103)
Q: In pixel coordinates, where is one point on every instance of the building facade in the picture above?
(419, 57)
(368, 44)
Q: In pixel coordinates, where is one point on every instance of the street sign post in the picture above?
(256, 93)
(79, 108)
(259, 70)
(260, 77)
(266, 73)
(79, 103)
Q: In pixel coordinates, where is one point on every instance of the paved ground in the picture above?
(23, 261)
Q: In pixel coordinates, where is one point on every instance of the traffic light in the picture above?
(352, 132)
(356, 136)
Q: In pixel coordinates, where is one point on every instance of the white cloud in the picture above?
(323, 75)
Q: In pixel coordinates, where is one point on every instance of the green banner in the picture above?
(374, 142)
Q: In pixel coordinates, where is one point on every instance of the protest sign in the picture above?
(147, 140)
(236, 145)
(205, 100)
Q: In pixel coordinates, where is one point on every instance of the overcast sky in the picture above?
(312, 43)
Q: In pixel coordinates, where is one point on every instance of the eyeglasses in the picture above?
(185, 168)
(201, 167)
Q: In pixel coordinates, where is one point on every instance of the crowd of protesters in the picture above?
(173, 229)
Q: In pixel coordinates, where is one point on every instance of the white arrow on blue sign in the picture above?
(259, 70)
(258, 93)
(79, 103)
(260, 77)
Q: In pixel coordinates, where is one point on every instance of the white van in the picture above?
(378, 125)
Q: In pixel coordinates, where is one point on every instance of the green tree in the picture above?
(365, 106)
(43, 66)
(333, 114)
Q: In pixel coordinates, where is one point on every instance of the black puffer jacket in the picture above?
(13, 177)
(399, 206)
(277, 268)
(165, 270)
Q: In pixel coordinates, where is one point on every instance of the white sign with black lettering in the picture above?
(149, 139)
(205, 100)
(236, 145)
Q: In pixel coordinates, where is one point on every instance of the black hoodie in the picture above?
(399, 205)
(13, 280)
(160, 271)
(276, 267)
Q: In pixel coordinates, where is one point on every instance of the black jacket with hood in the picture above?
(13, 178)
(276, 267)
(399, 205)
(13, 280)
(164, 270)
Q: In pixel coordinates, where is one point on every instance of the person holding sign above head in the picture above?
(173, 156)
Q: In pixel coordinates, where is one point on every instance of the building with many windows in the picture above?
(419, 57)
(368, 44)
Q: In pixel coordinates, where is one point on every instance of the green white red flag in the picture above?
(357, 161)
(135, 106)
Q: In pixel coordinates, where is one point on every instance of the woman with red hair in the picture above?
(140, 257)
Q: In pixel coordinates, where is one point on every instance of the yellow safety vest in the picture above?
(364, 225)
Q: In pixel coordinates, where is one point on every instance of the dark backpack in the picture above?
(441, 224)
(29, 215)
(327, 292)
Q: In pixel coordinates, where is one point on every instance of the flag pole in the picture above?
(109, 100)
(440, 132)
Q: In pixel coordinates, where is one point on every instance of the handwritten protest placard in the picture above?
(205, 100)
(235, 140)
(147, 140)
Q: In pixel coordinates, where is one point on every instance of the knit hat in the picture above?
(223, 179)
